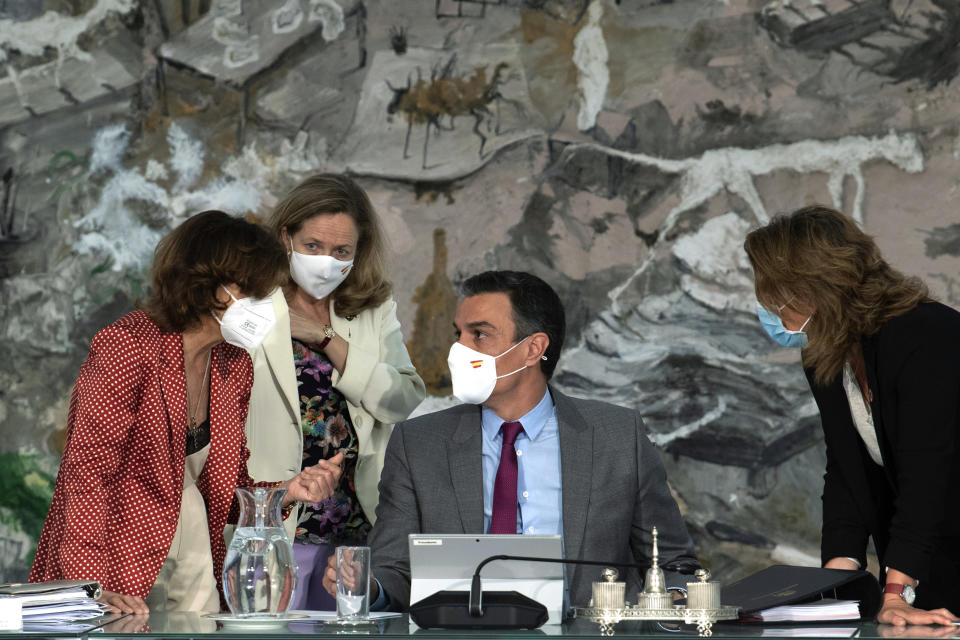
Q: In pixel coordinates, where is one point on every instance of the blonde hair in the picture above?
(820, 257)
(367, 285)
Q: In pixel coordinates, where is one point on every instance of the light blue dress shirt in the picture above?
(540, 504)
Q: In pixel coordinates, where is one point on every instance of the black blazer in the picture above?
(911, 505)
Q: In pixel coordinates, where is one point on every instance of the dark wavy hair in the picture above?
(367, 285)
(535, 307)
(821, 258)
(207, 250)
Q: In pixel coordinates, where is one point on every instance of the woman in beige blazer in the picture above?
(334, 375)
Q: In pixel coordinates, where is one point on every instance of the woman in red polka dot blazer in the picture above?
(156, 439)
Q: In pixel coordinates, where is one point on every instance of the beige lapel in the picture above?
(353, 332)
(278, 353)
(342, 326)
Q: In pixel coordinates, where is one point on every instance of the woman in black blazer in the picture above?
(883, 362)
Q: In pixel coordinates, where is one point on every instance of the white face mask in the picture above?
(318, 275)
(247, 321)
(474, 374)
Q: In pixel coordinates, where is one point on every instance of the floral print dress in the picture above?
(327, 430)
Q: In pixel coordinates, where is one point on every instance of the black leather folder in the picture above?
(784, 584)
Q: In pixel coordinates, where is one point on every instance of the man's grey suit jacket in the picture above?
(613, 484)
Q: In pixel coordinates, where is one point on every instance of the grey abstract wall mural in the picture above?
(620, 149)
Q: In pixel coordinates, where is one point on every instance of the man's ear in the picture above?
(536, 349)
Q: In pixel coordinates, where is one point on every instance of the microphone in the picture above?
(475, 609)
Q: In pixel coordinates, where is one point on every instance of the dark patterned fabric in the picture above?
(327, 430)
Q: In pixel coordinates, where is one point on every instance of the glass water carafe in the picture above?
(259, 573)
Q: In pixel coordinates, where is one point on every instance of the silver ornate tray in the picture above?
(608, 605)
(703, 618)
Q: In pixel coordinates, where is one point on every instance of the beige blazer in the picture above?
(379, 383)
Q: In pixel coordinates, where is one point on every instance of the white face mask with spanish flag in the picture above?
(318, 275)
(474, 374)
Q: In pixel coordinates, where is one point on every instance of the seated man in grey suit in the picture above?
(521, 457)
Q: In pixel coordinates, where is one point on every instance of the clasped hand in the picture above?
(315, 483)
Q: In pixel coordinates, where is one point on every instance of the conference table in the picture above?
(188, 625)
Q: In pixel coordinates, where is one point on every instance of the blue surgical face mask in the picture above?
(773, 325)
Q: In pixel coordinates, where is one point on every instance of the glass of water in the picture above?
(353, 584)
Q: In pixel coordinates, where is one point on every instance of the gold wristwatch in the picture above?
(329, 333)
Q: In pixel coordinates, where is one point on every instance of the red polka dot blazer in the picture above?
(117, 498)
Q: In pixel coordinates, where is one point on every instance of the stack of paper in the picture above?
(57, 602)
(62, 605)
(818, 611)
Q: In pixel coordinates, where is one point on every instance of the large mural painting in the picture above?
(620, 149)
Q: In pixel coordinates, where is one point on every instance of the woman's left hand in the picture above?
(897, 612)
(315, 483)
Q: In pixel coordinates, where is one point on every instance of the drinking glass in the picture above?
(353, 584)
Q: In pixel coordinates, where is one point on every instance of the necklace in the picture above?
(193, 431)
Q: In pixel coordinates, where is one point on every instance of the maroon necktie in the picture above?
(504, 518)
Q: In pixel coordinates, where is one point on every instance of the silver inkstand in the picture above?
(609, 606)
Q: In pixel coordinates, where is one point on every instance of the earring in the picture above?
(543, 357)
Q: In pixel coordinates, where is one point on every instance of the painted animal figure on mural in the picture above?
(446, 94)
